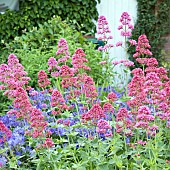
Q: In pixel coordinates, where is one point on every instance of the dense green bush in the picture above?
(80, 13)
(153, 21)
(34, 48)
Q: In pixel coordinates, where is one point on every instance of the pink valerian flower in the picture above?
(108, 108)
(140, 142)
(56, 98)
(48, 143)
(128, 63)
(87, 86)
(112, 97)
(22, 104)
(95, 113)
(103, 62)
(58, 102)
(43, 80)
(38, 123)
(65, 71)
(115, 62)
(6, 133)
(52, 63)
(78, 60)
(12, 76)
(162, 73)
(144, 117)
(68, 82)
(123, 123)
(142, 47)
(103, 30)
(119, 43)
(132, 42)
(63, 50)
(104, 128)
(138, 72)
(152, 62)
(126, 26)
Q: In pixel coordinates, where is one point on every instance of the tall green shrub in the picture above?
(81, 13)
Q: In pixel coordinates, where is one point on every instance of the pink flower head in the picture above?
(144, 110)
(43, 80)
(56, 98)
(108, 108)
(142, 46)
(102, 62)
(104, 30)
(62, 47)
(48, 143)
(119, 43)
(133, 42)
(103, 127)
(78, 60)
(125, 21)
(66, 71)
(112, 97)
(6, 133)
(95, 113)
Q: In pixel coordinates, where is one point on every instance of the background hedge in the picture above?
(80, 13)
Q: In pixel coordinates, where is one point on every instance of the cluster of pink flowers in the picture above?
(108, 108)
(103, 30)
(78, 60)
(126, 63)
(38, 123)
(58, 102)
(142, 47)
(48, 143)
(104, 128)
(43, 80)
(123, 122)
(12, 76)
(112, 97)
(63, 50)
(149, 87)
(126, 26)
(94, 114)
(6, 132)
(89, 88)
(22, 105)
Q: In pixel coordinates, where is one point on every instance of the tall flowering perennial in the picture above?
(58, 102)
(126, 27)
(12, 76)
(22, 105)
(149, 90)
(38, 124)
(123, 122)
(79, 60)
(94, 114)
(103, 30)
(43, 80)
(63, 50)
(5, 133)
(143, 47)
(103, 128)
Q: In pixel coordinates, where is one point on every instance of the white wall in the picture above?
(112, 10)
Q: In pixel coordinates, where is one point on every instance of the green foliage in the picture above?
(35, 12)
(34, 48)
(152, 20)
